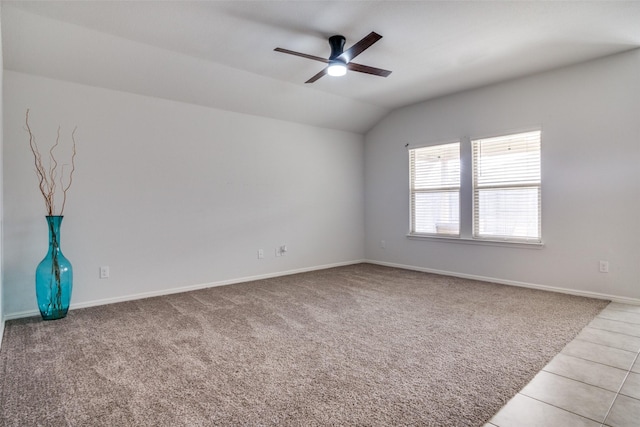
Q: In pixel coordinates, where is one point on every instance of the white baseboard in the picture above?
(597, 295)
(178, 290)
(131, 297)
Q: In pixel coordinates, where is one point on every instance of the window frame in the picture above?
(447, 188)
(466, 197)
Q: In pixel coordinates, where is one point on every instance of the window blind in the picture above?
(435, 189)
(507, 187)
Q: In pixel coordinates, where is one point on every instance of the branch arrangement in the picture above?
(50, 177)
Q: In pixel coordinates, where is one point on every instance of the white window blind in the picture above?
(435, 189)
(506, 187)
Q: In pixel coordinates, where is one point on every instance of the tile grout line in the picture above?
(616, 312)
(621, 386)
(600, 363)
(621, 310)
(633, 310)
(618, 320)
(566, 410)
(615, 332)
(604, 316)
(606, 345)
(606, 330)
(585, 383)
(579, 338)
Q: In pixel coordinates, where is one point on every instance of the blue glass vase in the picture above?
(54, 276)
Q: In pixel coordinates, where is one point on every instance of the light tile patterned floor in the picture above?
(594, 381)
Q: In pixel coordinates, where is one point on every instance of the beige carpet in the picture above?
(358, 345)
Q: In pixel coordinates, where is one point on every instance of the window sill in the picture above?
(482, 242)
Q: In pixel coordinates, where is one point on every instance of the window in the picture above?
(506, 187)
(435, 189)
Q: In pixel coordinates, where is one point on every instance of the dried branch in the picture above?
(47, 177)
(73, 169)
(40, 171)
(53, 165)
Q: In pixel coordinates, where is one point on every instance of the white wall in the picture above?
(1, 197)
(172, 195)
(590, 122)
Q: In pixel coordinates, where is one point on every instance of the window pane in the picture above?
(435, 188)
(508, 213)
(513, 159)
(436, 167)
(437, 212)
(506, 187)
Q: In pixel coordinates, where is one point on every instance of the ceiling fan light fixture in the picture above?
(337, 68)
(340, 60)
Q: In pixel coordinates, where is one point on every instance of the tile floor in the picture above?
(594, 381)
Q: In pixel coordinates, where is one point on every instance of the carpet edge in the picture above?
(596, 295)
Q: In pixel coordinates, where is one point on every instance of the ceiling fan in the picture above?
(339, 60)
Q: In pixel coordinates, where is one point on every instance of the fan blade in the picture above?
(317, 76)
(304, 55)
(360, 47)
(369, 70)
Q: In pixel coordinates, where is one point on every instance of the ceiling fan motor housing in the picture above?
(337, 46)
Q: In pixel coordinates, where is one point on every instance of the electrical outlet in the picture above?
(604, 266)
(281, 250)
(104, 272)
(383, 244)
(260, 254)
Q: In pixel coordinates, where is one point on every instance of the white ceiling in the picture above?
(220, 53)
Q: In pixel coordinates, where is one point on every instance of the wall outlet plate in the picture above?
(604, 266)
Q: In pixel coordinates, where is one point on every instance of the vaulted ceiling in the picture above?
(221, 53)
